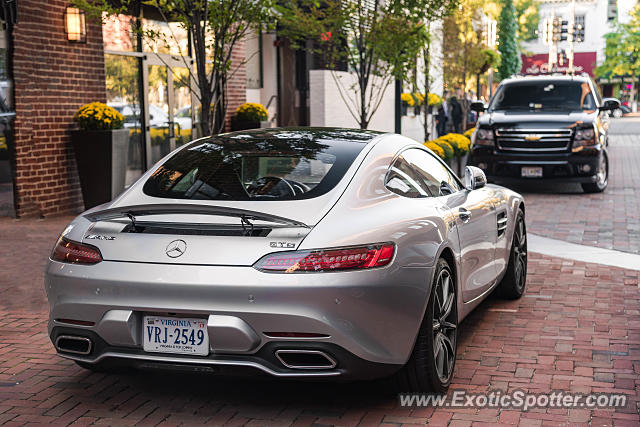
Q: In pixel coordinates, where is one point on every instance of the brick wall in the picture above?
(53, 78)
(237, 87)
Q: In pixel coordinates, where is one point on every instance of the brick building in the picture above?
(45, 78)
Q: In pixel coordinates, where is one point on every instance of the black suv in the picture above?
(544, 127)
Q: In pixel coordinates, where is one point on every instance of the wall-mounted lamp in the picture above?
(74, 25)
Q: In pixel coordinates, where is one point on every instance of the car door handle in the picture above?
(464, 214)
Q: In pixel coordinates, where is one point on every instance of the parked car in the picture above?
(621, 111)
(183, 118)
(545, 128)
(132, 116)
(305, 253)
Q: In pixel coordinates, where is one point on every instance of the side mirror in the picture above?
(478, 106)
(610, 104)
(474, 178)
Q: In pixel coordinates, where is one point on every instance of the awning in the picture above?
(9, 11)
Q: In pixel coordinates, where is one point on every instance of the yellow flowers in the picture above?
(98, 116)
(450, 145)
(469, 133)
(252, 112)
(408, 99)
(433, 100)
(435, 148)
(416, 99)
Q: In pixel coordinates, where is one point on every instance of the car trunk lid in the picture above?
(190, 234)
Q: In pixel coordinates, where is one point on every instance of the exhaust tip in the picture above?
(305, 359)
(73, 344)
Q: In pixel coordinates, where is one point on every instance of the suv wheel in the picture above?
(602, 177)
(430, 366)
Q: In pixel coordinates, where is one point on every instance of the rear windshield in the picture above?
(277, 167)
(544, 96)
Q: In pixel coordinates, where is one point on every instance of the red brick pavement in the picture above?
(577, 329)
(608, 220)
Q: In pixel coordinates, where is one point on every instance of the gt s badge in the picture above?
(282, 245)
(99, 237)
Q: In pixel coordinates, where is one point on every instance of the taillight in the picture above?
(337, 259)
(75, 253)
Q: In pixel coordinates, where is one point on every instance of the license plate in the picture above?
(175, 335)
(531, 172)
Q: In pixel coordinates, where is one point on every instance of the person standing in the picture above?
(455, 114)
(443, 115)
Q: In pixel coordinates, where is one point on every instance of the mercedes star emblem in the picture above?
(176, 248)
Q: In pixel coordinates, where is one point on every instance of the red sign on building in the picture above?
(583, 62)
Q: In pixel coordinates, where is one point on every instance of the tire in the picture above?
(602, 178)
(428, 370)
(513, 283)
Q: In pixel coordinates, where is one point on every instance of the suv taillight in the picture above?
(75, 253)
(335, 259)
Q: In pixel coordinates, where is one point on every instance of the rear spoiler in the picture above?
(192, 209)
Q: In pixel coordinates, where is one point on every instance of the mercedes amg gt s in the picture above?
(311, 252)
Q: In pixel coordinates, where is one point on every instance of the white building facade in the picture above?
(299, 91)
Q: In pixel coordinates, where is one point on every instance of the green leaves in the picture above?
(507, 38)
(377, 40)
(622, 49)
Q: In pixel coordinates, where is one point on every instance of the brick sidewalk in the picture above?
(608, 220)
(577, 329)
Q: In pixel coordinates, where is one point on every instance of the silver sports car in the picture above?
(295, 252)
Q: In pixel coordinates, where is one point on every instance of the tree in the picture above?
(378, 40)
(507, 41)
(622, 51)
(429, 11)
(214, 26)
(463, 48)
(528, 19)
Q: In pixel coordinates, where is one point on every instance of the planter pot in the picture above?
(462, 163)
(457, 165)
(244, 124)
(101, 157)
(237, 124)
(411, 111)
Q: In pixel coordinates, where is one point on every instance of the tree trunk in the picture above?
(427, 108)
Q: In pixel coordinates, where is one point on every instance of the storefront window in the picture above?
(123, 94)
(149, 84)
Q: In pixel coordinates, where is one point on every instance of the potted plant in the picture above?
(461, 145)
(408, 103)
(101, 150)
(250, 115)
(434, 101)
(419, 100)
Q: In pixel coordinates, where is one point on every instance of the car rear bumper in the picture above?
(368, 319)
(566, 167)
